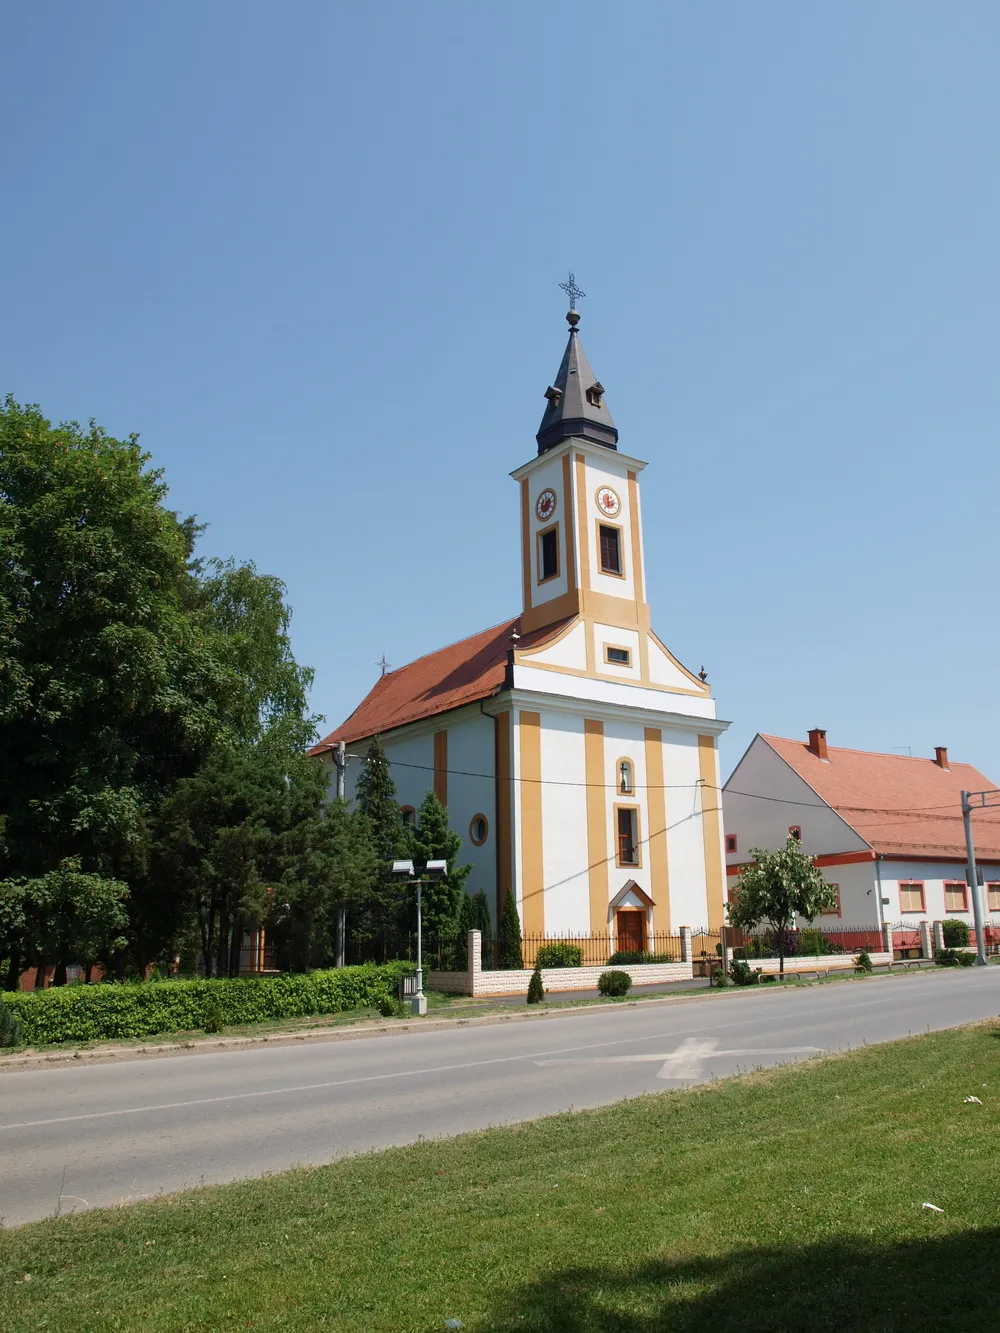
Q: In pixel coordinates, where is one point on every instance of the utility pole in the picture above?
(976, 800)
(340, 760)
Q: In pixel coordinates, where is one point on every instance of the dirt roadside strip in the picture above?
(59, 1056)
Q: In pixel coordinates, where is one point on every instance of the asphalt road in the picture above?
(108, 1134)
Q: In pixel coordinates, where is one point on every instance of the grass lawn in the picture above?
(787, 1200)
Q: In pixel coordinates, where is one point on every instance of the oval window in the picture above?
(479, 829)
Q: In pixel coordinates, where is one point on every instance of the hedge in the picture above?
(98, 1013)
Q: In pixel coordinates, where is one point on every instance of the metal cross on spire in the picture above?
(572, 291)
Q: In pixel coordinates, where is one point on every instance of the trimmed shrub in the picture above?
(11, 1032)
(614, 984)
(946, 958)
(536, 991)
(510, 933)
(743, 974)
(814, 942)
(214, 1021)
(559, 955)
(640, 956)
(143, 1009)
(863, 962)
(955, 933)
(965, 959)
(719, 978)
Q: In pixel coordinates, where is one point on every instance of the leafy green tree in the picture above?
(510, 932)
(70, 916)
(435, 840)
(775, 888)
(224, 839)
(124, 660)
(13, 923)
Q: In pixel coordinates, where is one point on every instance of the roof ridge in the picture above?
(445, 646)
(875, 754)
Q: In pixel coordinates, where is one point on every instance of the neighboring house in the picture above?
(887, 829)
(577, 757)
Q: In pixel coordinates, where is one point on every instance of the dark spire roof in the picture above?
(576, 401)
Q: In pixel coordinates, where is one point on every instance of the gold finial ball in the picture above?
(573, 319)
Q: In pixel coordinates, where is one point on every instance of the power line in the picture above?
(667, 786)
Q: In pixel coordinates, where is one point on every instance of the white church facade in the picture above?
(576, 755)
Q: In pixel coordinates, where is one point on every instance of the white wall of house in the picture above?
(933, 875)
(764, 797)
(564, 824)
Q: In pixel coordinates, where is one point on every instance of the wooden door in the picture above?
(631, 929)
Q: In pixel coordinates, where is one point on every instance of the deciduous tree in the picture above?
(775, 888)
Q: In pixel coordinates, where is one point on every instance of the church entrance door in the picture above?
(630, 929)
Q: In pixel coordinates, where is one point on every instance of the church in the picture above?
(577, 757)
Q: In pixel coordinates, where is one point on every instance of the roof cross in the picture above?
(572, 291)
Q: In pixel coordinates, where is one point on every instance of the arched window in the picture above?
(625, 778)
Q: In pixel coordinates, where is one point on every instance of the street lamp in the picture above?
(432, 871)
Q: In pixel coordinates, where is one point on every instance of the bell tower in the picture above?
(581, 522)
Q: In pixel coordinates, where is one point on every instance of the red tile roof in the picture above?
(902, 805)
(460, 674)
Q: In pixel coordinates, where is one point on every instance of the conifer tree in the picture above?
(466, 922)
(435, 840)
(378, 803)
(482, 923)
(510, 933)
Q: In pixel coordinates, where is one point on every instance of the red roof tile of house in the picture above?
(460, 674)
(902, 805)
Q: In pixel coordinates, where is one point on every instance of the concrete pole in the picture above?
(977, 907)
(340, 759)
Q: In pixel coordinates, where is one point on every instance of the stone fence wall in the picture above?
(477, 981)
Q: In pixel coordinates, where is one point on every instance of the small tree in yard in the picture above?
(775, 888)
(536, 989)
(510, 933)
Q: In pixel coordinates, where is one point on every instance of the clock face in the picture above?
(608, 502)
(545, 505)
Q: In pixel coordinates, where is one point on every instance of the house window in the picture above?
(548, 554)
(911, 896)
(732, 845)
(408, 815)
(626, 783)
(479, 829)
(993, 897)
(955, 898)
(795, 831)
(627, 822)
(617, 656)
(610, 540)
(595, 393)
(835, 910)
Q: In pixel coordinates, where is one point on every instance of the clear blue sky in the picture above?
(310, 252)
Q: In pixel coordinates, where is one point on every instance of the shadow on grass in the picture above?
(947, 1282)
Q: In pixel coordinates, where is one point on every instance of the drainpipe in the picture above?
(878, 881)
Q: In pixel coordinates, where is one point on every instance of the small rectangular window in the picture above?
(954, 896)
(628, 836)
(911, 896)
(731, 843)
(835, 910)
(620, 656)
(795, 831)
(611, 551)
(548, 554)
(993, 897)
